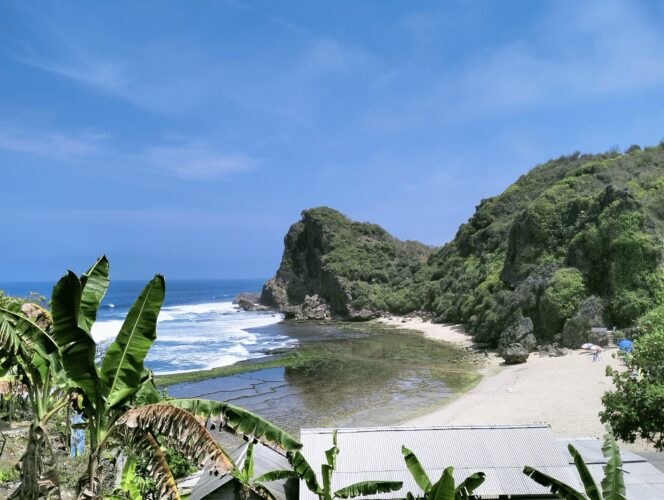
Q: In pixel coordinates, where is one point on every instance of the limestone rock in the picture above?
(247, 305)
(248, 296)
(515, 354)
(577, 329)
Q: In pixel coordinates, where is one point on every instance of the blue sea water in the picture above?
(198, 328)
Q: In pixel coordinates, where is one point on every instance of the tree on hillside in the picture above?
(636, 407)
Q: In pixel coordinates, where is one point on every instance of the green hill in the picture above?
(576, 242)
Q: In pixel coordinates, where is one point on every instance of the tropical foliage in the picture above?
(635, 409)
(443, 489)
(326, 491)
(612, 486)
(55, 357)
(578, 228)
(28, 350)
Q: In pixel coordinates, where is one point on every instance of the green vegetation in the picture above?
(575, 228)
(634, 409)
(325, 491)
(613, 484)
(54, 357)
(444, 488)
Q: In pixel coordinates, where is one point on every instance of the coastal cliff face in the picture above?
(575, 243)
(335, 267)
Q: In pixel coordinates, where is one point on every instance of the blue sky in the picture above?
(185, 137)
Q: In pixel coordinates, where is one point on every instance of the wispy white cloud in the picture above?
(197, 161)
(52, 144)
(191, 160)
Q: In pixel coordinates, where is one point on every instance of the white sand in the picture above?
(564, 392)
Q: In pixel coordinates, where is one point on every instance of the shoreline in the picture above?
(564, 392)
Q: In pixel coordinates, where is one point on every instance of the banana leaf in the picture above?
(276, 475)
(470, 484)
(368, 488)
(122, 368)
(416, 470)
(128, 479)
(77, 347)
(227, 416)
(556, 487)
(17, 330)
(613, 484)
(184, 432)
(94, 283)
(444, 489)
(592, 492)
(304, 471)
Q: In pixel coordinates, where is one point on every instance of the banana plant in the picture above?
(223, 416)
(444, 488)
(28, 349)
(107, 390)
(244, 474)
(138, 431)
(325, 492)
(612, 486)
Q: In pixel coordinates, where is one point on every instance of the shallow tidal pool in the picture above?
(345, 375)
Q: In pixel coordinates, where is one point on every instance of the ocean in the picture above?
(199, 327)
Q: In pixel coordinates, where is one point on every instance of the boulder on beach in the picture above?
(515, 354)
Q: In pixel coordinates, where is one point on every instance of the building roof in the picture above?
(643, 480)
(500, 451)
(265, 459)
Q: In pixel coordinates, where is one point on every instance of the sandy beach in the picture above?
(564, 392)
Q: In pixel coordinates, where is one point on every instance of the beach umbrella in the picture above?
(625, 345)
(587, 346)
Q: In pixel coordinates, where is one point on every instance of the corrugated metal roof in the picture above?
(499, 451)
(266, 460)
(643, 481)
(591, 451)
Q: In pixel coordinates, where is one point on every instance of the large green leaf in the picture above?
(444, 489)
(122, 368)
(589, 484)
(416, 470)
(239, 420)
(368, 488)
(470, 484)
(613, 484)
(94, 283)
(276, 475)
(76, 345)
(304, 471)
(17, 330)
(556, 487)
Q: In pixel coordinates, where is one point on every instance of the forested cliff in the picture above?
(576, 242)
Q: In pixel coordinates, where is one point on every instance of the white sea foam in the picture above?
(203, 336)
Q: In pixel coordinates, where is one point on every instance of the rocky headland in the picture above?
(574, 244)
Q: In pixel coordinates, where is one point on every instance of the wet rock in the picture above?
(250, 306)
(515, 354)
(247, 296)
